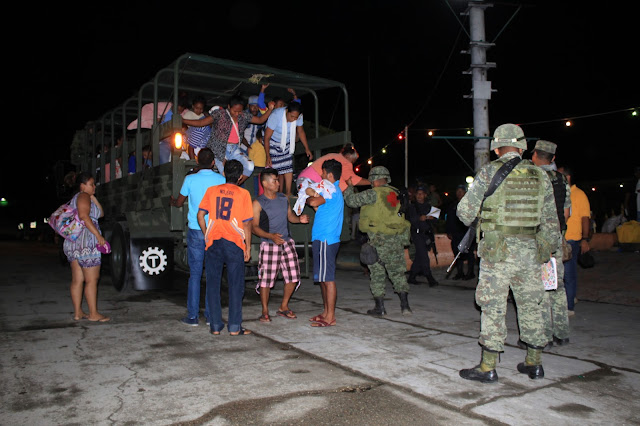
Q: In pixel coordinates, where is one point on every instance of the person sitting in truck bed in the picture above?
(228, 126)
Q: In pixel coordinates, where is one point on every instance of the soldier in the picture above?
(388, 233)
(519, 230)
(555, 313)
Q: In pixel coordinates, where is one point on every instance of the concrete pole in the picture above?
(481, 86)
(406, 156)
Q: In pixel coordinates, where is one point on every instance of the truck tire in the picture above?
(120, 258)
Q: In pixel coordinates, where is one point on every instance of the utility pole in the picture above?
(481, 87)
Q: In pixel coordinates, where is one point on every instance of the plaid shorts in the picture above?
(274, 258)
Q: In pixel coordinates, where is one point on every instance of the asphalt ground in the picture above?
(145, 367)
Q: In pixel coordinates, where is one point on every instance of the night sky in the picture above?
(553, 62)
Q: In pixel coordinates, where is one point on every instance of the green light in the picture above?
(4, 202)
(634, 113)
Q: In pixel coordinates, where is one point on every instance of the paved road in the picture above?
(145, 367)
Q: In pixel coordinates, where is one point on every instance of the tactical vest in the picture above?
(515, 207)
(382, 216)
(560, 195)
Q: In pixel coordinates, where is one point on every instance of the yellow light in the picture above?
(568, 123)
(469, 179)
(33, 225)
(634, 113)
(430, 133)
(468, 132)
(177, 140)
(384, 150)
(622, 185)
(369, 161)
(446, 194)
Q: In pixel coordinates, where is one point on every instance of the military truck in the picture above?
(147, 235)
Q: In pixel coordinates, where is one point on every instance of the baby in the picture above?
(324, 188)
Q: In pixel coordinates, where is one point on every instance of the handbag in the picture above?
(66, 222)
(567, 251)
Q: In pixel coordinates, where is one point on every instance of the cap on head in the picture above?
(421, 188)
(546, 146)
(508, 135)
(253, 100)
(379, 172)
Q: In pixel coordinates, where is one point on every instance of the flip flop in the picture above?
(264, 318)
(242, 332)
(322, 323)
(215, 333)
(287, 314)
(84, 317)
(316, 318)
(103, 319)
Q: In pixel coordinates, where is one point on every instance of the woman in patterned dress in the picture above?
(83, 254)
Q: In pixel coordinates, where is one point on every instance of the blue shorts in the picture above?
(324, 260)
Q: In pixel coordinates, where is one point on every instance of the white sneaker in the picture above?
(571, 313)
(575, 300)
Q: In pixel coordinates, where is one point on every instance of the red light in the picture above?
(400, 136)
(357, 168)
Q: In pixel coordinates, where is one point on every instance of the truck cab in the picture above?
(147, 235)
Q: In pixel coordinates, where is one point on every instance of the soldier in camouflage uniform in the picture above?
(388, 232)
(517, 230)
(555, 313)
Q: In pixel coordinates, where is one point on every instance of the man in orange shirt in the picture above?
(577, 236)
(347, 156)
(228, 242)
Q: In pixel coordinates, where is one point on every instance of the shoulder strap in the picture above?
(501, 174)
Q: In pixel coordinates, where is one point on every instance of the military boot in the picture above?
(404, 303)
(486, 371)
(379, 308)
(532, 364)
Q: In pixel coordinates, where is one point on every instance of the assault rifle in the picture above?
(465, 243)
(500, 175)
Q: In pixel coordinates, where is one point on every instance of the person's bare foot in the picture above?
(99, 318)
(80, 316)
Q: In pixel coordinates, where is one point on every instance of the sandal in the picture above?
(264, 318)
(322, 323)
(215, 333)
(316, 318)
(242, 332)
(287, 314)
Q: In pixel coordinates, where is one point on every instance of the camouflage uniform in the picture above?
(519, 230)
(388, 233)
(555, 312)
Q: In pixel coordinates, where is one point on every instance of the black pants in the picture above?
(421, 264)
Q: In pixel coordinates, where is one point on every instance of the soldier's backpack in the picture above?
(405, 200)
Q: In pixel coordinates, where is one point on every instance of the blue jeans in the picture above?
(195, 256)
(235, 153)
(223, 252)
(571, 274)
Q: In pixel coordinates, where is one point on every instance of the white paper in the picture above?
(435, 212)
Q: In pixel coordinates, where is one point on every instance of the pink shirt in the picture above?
(315, 169)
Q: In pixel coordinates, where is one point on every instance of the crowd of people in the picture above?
(525, 216)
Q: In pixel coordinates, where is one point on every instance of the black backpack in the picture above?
(405, 200)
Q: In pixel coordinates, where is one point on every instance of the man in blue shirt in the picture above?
(194, 187)
(325, 236)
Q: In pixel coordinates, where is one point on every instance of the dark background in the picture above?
(400, 61)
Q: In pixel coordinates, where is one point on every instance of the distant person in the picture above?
(519, 230)
(388, 233)
(227, 234)
(434, 196)
(83, 253)
(228, 126)
(422, 236)
(271, 218)
(193, 188)
(283, 127)
(456, 231)
(147, 161)
(325, 242)
(577, 235)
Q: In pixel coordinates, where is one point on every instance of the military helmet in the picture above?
(379, 172)
(508, 135)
